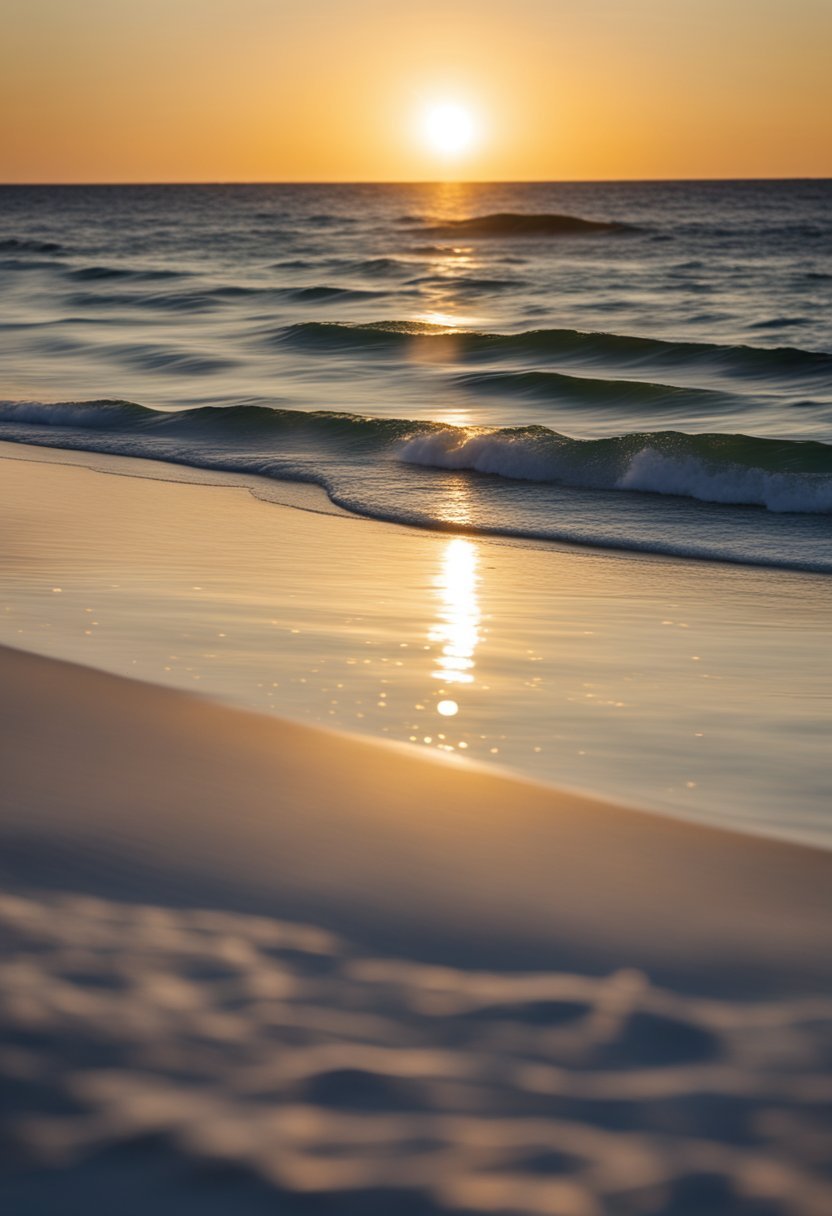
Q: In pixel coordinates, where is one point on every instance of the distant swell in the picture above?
(93, 274)
(520, 224)
(465, 283)
(563, 345)
(557, 388)
(14, 244)
(321, 294)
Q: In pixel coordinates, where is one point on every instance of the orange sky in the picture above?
(310, 90)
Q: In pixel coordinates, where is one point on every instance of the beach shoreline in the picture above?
(63, 705)
(649, 681)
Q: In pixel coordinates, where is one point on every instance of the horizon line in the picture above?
(532, 181)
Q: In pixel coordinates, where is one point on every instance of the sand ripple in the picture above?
(225, 1062)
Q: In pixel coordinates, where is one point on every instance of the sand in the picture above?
(248, 962)
(389, 845)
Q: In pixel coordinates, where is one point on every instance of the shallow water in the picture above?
(660, 381)
(697, 689)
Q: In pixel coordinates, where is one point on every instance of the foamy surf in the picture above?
(732, 469)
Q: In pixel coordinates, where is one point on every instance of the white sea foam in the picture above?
(657, 473)
(503, 454)
(556, 458)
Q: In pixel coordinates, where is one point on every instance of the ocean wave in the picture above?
(20, 264)
(100, 414)
(371, 267)
(779, 323)
(461, 283)
(26, 245)
(325, 220)
(622, 350)
(520, 224)
(604, 392)
(183, 300)
(176, 301)
(148, 356)
(323, 293)
(778, 474)
(444, 251)
(91, 274)
(118, 415)
(291, 264)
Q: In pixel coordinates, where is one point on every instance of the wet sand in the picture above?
(686, 687)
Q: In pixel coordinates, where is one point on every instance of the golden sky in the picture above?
(333, 90)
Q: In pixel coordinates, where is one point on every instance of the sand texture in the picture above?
(249, 963)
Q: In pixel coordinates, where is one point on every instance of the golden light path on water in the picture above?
(458, 628)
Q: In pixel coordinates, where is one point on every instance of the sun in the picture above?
(448, 128)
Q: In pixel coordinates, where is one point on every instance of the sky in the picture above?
(337, 90)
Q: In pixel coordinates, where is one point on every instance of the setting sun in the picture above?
(448, 128)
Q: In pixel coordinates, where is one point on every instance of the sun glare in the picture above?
(448, 128)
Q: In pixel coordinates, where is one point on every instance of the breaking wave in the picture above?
(781, 475)
(778, 474)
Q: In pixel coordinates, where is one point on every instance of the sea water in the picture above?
(645, 366)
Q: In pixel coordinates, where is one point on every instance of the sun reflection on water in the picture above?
(455, 507)
(447, 293)
(458, 628)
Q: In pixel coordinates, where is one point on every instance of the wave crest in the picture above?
(521, 223)
(780, 475)
(564, 345)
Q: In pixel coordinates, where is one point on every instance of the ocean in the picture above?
(640, 366)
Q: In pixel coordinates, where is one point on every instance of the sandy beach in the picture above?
(247, 960)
